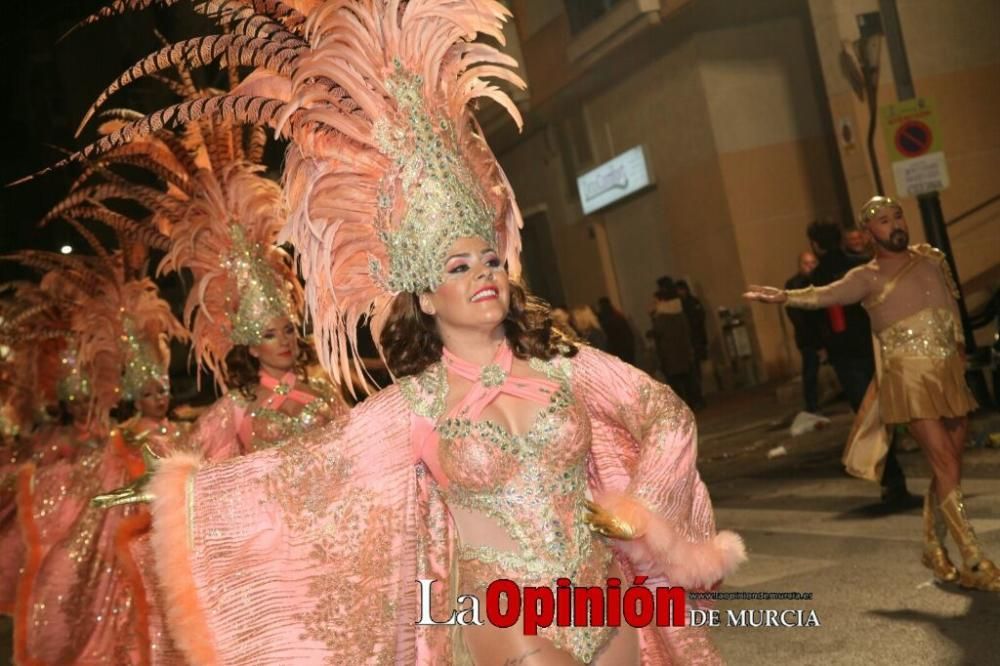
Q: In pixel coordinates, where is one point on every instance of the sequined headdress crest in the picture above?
(386, 164)
(873, 206)
(242, 278)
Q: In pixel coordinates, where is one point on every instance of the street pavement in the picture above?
(810, 528)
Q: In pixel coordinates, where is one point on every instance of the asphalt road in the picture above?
(811, 529)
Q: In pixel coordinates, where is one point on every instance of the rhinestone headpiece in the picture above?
(873, 206)
(259, 294)
(145, 360)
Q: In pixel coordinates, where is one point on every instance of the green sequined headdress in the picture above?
(386, 169)
(242, 278)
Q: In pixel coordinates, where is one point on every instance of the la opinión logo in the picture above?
(565, 605)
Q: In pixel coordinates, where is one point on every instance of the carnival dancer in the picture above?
(910, 295)
(242, 311)
(481, 460)
(73, 602)
(47, 398)
(218, 216)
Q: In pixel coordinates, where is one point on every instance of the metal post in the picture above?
(930, 203)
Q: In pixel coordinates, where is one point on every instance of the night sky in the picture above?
(49, 83)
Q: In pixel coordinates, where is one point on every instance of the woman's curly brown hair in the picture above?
(244, 368)
(411, 343)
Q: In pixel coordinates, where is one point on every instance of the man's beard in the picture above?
(898, 241)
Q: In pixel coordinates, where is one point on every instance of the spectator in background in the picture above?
(856, 245)
(621, 341)
(585, 323)
(695, 313)
(560, 319)
(672, 337)
(848, 342)
(808, 325)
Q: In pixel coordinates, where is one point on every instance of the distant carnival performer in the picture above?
(910, 295)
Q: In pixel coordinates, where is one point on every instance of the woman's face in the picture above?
(475, 292)
(153, 400)
(279, 346)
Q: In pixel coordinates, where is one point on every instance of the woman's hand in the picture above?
(604, 523)
(136, 492)
(765, 294)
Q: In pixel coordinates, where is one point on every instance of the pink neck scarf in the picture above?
(492, 380)
(281, 390)
(489, 381)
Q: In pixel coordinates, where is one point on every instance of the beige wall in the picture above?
(682, 227)
(954, 54)
(734, 140)
(769, 136)
(740, 148)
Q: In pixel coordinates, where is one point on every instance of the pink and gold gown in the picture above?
(88, 600)
(74, 604)
(309, 553)
(20, 457)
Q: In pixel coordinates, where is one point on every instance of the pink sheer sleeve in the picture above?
(303, 554)
(214, 434)
(644, 463)
(850, 289)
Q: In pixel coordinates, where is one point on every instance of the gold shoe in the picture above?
(935, 557)
(977, 571)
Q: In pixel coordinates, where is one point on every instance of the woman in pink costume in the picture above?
(502, 451)
(74, 604)
(42, 375)
(241, 311)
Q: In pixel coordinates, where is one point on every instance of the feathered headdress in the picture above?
(36, 343)
(120, 328)
(212, 211)
(387, 165)
(242, 278)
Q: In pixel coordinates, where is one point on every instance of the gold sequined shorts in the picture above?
(923, 388)
(582, 642)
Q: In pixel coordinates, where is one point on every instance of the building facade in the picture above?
(751, 129)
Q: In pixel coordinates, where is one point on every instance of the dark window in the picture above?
(584, 12)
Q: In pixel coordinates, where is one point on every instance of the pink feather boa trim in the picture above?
(185, 615)
(662, 551)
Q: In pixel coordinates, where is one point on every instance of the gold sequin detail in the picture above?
(273, 427)
(540, 504)
(444, 201)
(308, 484)
(929, 333)
(261, 295)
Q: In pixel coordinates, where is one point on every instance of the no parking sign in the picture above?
(914, 142)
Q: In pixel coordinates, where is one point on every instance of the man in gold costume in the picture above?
(910, 295)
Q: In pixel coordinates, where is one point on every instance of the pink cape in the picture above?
(309, 553)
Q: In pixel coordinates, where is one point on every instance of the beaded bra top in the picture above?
(266, 425)
(532, 487)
